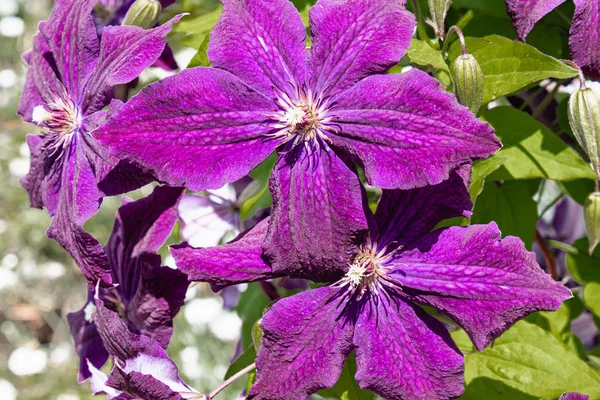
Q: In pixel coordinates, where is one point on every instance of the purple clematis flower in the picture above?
(69, 82)
(322, 110)
(584, 40)
(574, 396)
(484, 283)
(142, 369)
(146, 295)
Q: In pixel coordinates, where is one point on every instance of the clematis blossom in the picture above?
(584, 40)
(481, 281)
(145, 295)
(69, 83)
(322, 110)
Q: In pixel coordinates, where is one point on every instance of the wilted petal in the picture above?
(404, 353)
(407, 132)
(526, 13)
(306, 339)
(263, 42)
(352, 39)
(483, 283)
(187, 139)
(585, 37)
(238, 261)
(125, 51)
(317, 214)
(405, 215)
(72, 38)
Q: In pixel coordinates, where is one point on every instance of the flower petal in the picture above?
(236, 262)
(407, 132)
(262, 42)
(526, 13)
(306, 339)
(405, 215)
(482, 282)
(404, 353)
(585, 37)
(125, 51)
(317, 214)
(98, 385)
(352, 39)
(33, 182)
(71, 35)
(574, 396)
(186, 139)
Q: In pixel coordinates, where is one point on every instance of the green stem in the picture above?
(567, 248)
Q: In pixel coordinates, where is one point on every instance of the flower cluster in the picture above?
(326, 113)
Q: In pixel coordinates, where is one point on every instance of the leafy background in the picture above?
(532, 188)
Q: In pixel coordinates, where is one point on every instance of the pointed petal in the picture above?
(262, 42)
(306, 339)
(585, 37)
(404, 353)
(405, 215)
(526, 13)
(407, 132)
(317, 214)
(352, 39)
(184, 139)
(98, 385)
(125, 51)
(34, 180)
(236, 262)
(482, 282)
(73, 40)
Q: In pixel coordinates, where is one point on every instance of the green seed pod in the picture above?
(438, 10)
(468, 81)
(257, 334)
(591, 216)
(584, 118)
(143, 13)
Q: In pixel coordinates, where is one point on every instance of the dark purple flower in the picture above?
(574, 396)
(484, 283)
(146, 295)
(322, 110)
(69, 82)
(142, 369)
(526, 13)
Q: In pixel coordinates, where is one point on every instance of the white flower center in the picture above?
(295, 116)
(89, 311)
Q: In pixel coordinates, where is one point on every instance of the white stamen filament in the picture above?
(40, 115)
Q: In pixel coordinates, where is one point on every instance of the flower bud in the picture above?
(468, 81)
(438, 10)
(584, 118)
(143, 13)
(591, 216)
(257, 334)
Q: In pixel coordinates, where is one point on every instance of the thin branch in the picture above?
(270, 290)
(229, 381)
(548, 255)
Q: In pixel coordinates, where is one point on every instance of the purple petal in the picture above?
(236, 262)
(585, 37)
(125, 51)
(526, 13)
(184, 139)
(352, 39)
(88, 343)
(482, 282)
(98, 385)
(72, 38)
(574, 396)
(306, 339)
(317, 214)
(262, 42)
(33, 182)
(407, 132)
(404, 353)
(405, 215)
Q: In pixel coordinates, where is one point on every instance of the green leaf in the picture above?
(201, 58)
(491, 7)
(509, 66)
(462, 340)
(197, 27)
(511, 206)
(583, 267)
(257, 195)
(578, 189)
(244, 360)
(532, 150)
(420, 53)
(591, 297)
(346, 388)
(250, 309)
(527, 362)
(481, 169)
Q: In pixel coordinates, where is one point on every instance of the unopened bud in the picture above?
(591, 216)
(468, 81)
(143, 13)
(257, 334)
(584, 118)
(438, 10)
